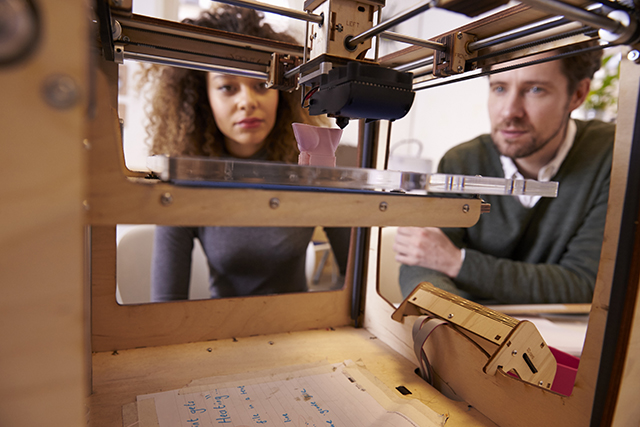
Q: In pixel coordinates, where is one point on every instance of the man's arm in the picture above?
(427, 247)
(421, 257)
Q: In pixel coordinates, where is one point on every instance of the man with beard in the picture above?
(528, 249)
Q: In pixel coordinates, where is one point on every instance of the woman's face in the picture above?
(244, 110)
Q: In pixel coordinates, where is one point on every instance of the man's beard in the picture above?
(526, 148)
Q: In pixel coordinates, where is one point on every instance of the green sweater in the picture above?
(545, 254)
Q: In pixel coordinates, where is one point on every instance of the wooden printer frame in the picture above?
(71, 355)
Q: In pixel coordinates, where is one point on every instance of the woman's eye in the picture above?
(262, 87)
(227, 88)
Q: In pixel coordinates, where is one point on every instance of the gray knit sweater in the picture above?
(242, 260)
(545, 254)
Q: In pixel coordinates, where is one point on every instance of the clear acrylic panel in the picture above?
(203, 171)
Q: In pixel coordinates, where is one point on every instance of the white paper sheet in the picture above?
(327, 397)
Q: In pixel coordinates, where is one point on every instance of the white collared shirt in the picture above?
(547, 171)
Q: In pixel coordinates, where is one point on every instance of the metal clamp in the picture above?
(452, 60)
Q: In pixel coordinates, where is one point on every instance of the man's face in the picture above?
(529, 109)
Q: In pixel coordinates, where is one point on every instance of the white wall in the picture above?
(444, 116)
(440, 118)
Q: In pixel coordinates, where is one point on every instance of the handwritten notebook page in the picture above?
(339, 395)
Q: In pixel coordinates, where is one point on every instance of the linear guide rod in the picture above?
(383, 26)
(577, 14)
(291, 13)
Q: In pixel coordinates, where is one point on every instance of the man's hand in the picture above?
(427, 247)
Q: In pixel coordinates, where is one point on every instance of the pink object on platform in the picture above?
(317, 144)
(567, 367)
(566, 373)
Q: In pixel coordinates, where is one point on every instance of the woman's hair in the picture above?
(180, 117)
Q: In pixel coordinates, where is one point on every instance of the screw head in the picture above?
(634, 56)
(60, 91)
(514, 352)
(383, 206)
(166, 199)
(465, 208)
(274, 203)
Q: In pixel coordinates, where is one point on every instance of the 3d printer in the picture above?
(332, 66)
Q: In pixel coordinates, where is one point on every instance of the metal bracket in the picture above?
(454, 58)
(280, 64)
(118, 53)
(313, 77)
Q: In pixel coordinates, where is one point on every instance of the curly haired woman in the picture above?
(197, 113)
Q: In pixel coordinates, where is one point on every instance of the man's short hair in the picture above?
(580, 66)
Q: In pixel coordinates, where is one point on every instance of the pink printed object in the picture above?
(317, 144)
(567, 368)
(566, 372)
